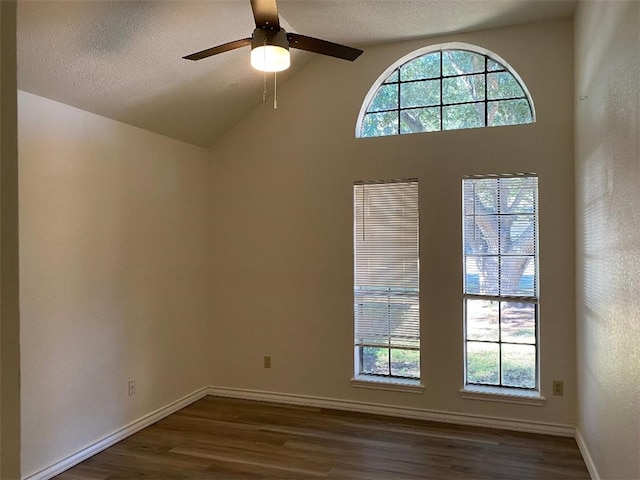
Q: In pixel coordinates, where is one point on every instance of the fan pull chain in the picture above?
(264, 87)
(264, 75)
(275, 91)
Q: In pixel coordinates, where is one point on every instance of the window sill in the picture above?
(392, 384)
(504, 395)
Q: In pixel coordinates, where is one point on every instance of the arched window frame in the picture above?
(432, 49)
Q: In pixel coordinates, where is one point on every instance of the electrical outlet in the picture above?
(132, 387)
(267, 361)
(558, 387)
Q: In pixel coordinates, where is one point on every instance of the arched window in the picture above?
(445, 87)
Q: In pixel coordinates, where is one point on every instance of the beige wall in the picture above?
(114, 276)
(9, 312)
(608, 245)
(281, 209)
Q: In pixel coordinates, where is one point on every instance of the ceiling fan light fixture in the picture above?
(270, 50)
(270, 58)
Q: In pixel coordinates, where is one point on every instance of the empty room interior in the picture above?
(176, 230)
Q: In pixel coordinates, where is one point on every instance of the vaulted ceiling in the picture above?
(123, 59)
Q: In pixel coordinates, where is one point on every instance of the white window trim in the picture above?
(503, 395)
(394, 384)
(368, 98)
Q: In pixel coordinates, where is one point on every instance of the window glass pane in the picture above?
(518, 322)
(517, 194)
(403, 319)
(427, 66)
(375, 361)
(483, 363)
(481, 235)
(469, 88)
(482, 275)
(481, 196)
(405, 363)
(519, 366)
(509, 112)
(386, 99)
(380, 124)
(487, 267)
(481, 255)
(369, 308)
(494, 66)
(420, 120)
(471, 276)
(463, 116)
(513, 280)
(420, 94)
(392, 78)
(482, 320)
(460, 62)
(503, 85)
(517, 234)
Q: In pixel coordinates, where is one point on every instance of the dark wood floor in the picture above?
(218, 438)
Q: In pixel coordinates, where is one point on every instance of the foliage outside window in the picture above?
(386, 280)
(446, 90)
(500, 216)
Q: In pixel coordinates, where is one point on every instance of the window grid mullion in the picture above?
(441, 101)
(395, 109)
(486, 88)
(499, 220)
(500, 343)
(398, 97)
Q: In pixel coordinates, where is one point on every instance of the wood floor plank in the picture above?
(228, 439)
(266, 461)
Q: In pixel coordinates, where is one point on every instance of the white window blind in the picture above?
(386, 287)
(500, 248)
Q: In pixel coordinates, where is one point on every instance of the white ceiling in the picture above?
(123, 59)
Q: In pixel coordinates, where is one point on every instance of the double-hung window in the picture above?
(500, 222)
(386, 280)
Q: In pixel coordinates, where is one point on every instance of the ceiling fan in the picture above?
(270, 43)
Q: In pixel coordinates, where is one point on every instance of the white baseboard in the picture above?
(395, 411)
(586, 456)
(120, 434)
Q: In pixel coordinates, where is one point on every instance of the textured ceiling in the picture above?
(123, 59)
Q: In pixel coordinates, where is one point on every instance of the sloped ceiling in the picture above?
(123, 59)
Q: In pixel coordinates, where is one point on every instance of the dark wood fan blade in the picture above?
(322, 47)
(265, 13)
(219, 49)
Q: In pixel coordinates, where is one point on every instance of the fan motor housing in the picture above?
(263, 37)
